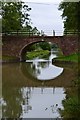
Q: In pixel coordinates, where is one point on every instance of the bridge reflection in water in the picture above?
(43, 69)
(43, 99)
(33, 102)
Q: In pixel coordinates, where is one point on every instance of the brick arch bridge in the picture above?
(16, 45)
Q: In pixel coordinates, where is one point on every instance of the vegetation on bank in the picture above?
(71, 103)
(9, 58)
(71, 58)
(39, 53)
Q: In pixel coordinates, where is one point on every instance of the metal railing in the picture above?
(45, 33)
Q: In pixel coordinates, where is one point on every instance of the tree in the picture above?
(35, 31)
(14, 15)
(45, 45)
(70, 16)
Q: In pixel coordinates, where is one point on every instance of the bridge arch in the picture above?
(24, 49)
(16, 45)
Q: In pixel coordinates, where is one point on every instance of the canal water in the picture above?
(43, 69)
(29, 89)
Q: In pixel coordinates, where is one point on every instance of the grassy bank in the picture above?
(9, 58)
(39, 53)
(70, 58)
(71, 103)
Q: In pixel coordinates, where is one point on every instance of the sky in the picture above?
(46, 16)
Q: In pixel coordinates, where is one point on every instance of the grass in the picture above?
(39, 53)
(72, 58)
(71, 103)
(6, 58)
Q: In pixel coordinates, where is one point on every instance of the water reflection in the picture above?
(20, 101)
(32, 102)
(12, 100)
(43, 69)
(41, 102)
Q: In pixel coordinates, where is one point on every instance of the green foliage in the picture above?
(54, 46)
(39, 46)
(71, 16)
(35, 31)
(8, 58)
(29, 30)
(15, 19)
(12, 16)
(71, 58)
(33, 47)
(39, 53)
(45, 46)
(71, 107)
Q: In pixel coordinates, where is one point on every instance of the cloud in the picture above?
(43, 1)
(46, 17)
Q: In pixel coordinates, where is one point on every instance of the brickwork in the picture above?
(16, 45)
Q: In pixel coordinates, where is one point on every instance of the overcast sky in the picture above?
(46, 16)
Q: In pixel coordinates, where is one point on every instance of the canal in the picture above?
(35, 88)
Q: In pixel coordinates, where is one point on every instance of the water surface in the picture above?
(33, 102)
(43, 69)
(41, 102)
(34, 89)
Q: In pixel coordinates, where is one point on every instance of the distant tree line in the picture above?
(40, 46)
